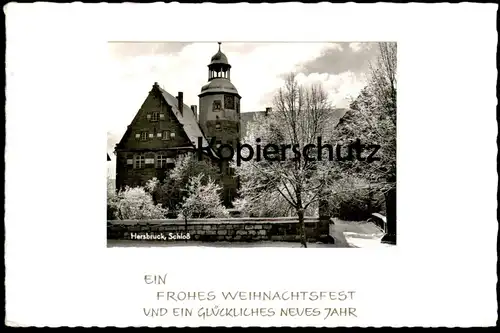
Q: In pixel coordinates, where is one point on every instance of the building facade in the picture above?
(164, 127)
(219, 102)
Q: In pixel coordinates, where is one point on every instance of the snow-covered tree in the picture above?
(152, 185)
(302, 114)
(171, 191)
(135, 203)
(299, 116)
(202, 200)
(372, 119)
(275, 206)
(383, 78)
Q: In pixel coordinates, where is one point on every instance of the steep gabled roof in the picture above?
(246, 118)
(186, 119)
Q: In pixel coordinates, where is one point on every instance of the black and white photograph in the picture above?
(237, 135)
(230, 144)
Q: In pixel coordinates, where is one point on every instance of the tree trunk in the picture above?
(390, 236)
(300, 213)
(302, 225)
(185, 225)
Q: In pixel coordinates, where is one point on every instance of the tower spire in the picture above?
(219, 45)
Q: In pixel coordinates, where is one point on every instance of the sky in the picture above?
(257, 72)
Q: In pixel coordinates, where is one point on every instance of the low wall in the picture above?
(229, 229)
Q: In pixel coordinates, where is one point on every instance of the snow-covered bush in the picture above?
(202, 200)
(135, 203)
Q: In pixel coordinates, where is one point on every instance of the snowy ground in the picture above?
(357, 234)
(346, 234)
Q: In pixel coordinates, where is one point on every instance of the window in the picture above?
(229, 102)
(217, 105)
(166, 135)
(172, 134)
(144, 136)
(155, 116)
(217, 126)
(139, 162)
(161, 161)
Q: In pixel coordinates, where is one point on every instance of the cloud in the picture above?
(334, 62)
(340, 87)
(356, 47)
(120, 49)
(257, 70)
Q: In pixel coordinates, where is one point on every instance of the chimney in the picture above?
(195, 111)
(180, 100)
(156, 85)
(268, 110)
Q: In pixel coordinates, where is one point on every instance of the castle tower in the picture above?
(219, 115)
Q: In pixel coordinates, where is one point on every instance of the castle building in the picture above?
(220, 116)
(164, 127)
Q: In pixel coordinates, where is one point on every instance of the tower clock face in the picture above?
(229, 102)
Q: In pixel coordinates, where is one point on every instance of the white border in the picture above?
(58, 270)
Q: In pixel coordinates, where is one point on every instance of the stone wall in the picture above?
(230, 229)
